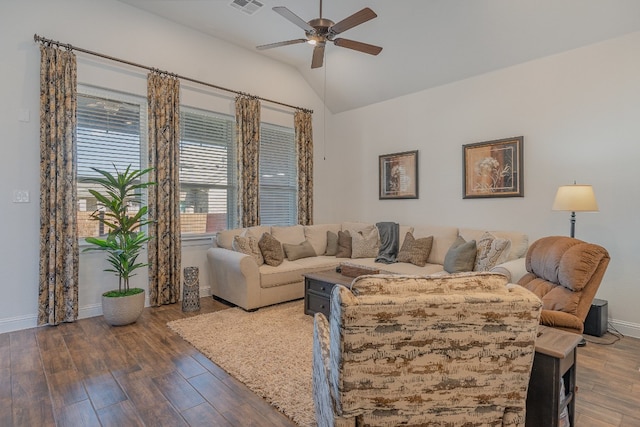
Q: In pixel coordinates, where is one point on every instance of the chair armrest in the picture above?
(323, 401)
(514, 269)
(561, 320)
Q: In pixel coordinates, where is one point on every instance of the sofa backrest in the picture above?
(443, 238)
(419, 349)
(224, 238)
(519, 241)
(317, 235)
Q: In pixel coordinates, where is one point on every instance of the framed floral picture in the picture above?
(493, 168)
(398, 175)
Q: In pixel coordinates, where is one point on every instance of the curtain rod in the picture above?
(43, 40)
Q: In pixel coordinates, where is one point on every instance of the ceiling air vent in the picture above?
(247, 6)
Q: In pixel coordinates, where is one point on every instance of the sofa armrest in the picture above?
(514, 269)
(235, 277)
(324, 400)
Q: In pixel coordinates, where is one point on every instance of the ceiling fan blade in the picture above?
(285, 43)
(359, 46)
(318, 56)
(292, 17)
(357, 18)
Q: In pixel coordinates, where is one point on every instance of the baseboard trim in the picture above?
(17, 323)
(627, 329)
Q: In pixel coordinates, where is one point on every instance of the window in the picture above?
(278, 176)
(111, 128)
(207, 172)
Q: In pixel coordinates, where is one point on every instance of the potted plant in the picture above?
(124, 240)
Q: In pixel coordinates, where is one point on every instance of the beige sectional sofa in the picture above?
(237, 278)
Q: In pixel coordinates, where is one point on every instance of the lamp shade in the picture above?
(575, 198)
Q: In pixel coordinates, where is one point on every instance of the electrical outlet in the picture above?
(20, 196)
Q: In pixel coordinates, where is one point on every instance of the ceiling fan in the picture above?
(319, 31)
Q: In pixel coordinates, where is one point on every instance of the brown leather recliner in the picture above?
(565, 273)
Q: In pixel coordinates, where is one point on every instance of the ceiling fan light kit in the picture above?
(319, 31)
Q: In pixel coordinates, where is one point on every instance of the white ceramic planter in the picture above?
(120, 311)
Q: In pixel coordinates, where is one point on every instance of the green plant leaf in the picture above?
(123, 242)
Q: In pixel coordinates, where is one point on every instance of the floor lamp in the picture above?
(575, 198)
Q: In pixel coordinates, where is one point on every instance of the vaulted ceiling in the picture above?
(426, 43)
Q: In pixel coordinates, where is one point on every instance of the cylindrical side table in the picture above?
(191, 289)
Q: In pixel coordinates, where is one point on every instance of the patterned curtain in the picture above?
(248, 134)
(304, 149)
(58, 283)
(164, 251)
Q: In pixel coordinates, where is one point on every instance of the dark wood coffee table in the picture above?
(317, 290)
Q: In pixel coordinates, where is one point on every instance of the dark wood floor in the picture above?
(90, 374)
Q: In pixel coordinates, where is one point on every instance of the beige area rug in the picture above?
(269, 350)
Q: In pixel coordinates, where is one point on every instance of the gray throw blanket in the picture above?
(389, 242)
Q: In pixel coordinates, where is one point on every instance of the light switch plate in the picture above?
(20, 196)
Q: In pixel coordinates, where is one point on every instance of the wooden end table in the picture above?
(317, 290)
(555, 360)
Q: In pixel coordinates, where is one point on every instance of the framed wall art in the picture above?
(399, 175)
(493, 168)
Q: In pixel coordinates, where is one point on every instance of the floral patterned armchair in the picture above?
(412, 350)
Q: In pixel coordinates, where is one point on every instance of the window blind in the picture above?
(109, 133)
(278, 176)
(207, 183)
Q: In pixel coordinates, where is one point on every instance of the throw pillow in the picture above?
(332, 243)
(271, 250)
(248, 245)
(461, 256)
(364, 245)
(302, 250)
(344, 245)
(489, 250)
(415, 251)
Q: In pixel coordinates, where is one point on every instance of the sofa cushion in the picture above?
(443, 238)
(354, 227)
(364, 245)
(257, 231)
(317, 235)
(344, 245)
(302, 250)
(404, 229)
(292, 271)
(332, 243)
(292, 234)
(282, 274)
(271, 249)
(399, 267)
(461, 256)
(224, 238)
(519, 242)
(248, 245)
(415, 251)
(490, 250)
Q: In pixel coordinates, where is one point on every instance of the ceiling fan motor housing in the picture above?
(321, 26)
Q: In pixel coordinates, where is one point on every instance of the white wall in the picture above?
(579, 113)
(116, 29)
